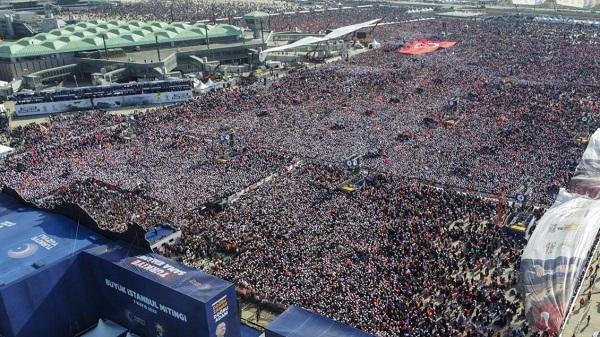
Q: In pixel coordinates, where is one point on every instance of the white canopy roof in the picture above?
(334, 34)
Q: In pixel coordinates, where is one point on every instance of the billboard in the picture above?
(32, 109)
(556, 254)
(554, 258)
(154, 296)
(299, 322)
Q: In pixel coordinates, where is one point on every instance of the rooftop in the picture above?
(31, 239)
(256, 15)
(117, 34)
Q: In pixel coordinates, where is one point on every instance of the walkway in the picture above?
(578, 324)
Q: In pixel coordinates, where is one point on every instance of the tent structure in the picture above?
(558, 252)
(5, 151)
(374, 44)
(334, 34)
(106, 329)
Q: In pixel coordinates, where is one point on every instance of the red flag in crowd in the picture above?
(424, 46)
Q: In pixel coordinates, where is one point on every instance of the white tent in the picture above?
(201, 88)
(106, 329)
(5, 151)
(334, 34)
(374, 44)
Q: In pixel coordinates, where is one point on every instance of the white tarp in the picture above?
(375, 44)
(578, 3)
(586, 180)
(556, 254)
(334, 34)
(5, 151)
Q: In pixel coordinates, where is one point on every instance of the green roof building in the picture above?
(93, 35)
(110, 42)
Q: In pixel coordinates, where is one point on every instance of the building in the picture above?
(105, 51)
(18, 24)
(22, 5)
(258, 21)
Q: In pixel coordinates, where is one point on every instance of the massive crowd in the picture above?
(183, 10)
(297, 240)
(415, 253)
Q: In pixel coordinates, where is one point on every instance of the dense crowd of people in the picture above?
(299, 241)
(416, 252)
(183, 10)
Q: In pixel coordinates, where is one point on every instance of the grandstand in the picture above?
(111, 96)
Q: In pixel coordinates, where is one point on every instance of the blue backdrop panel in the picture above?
(155, 296)
(249, 332)
(157, 233)
(299, 322)
(31, 238)
(51, 303)
(41, 289)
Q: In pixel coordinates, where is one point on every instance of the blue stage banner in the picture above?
(31, 239)
(299, 322)
(57, 278)
(51, 303)
(154, 296)
(42, 292)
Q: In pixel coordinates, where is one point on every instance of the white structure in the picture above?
(102, 103)
(5, 151)
(528, 2)
(578, 3)
(335, 34)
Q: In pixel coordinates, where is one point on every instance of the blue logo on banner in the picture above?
(22, 250)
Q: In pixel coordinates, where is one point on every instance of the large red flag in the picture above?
(424, 46)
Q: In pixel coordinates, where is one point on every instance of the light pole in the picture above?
(262, 32)
(157, 48)
(206, 35)
(104, 42)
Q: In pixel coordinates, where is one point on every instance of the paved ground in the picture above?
(250, 318)
(578, 324)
